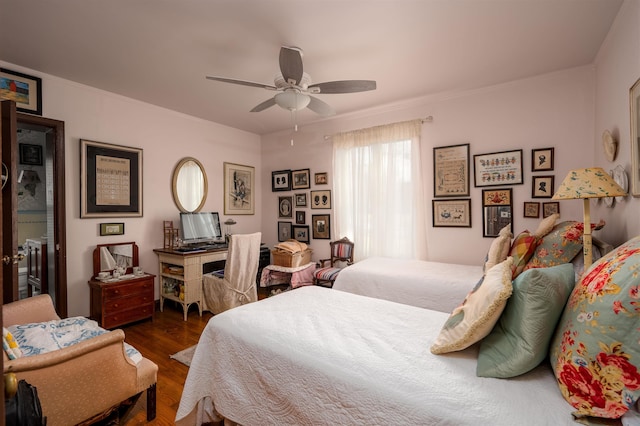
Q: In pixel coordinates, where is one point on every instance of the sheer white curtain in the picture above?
(378, 194)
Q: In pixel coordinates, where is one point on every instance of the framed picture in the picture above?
(25, 90)
(497, 211)
(300, 179)
(301, 217)
(301, 233)
(321, 199)
(285, 207)
(110, 180)
(531, 209)
(111, 229)
(451, 171)
(550, 208)
(542, 159)
(300, 199)
(498, 168)
(239, 183)
(634, 109)
(321, 226)
(542, 187)
(284, 231)
(30, 154)
(281, 180)
(321, 178)
(452, 213)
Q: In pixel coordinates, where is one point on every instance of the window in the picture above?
(378, 196)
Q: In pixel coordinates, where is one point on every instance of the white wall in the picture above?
(617, 69)
(166, 137)
(554, 110)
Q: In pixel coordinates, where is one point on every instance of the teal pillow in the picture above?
(595, 352)
(559, 246)
(520, 339)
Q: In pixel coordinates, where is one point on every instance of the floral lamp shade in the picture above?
(592, 182)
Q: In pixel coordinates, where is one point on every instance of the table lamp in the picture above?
(229, 223)
(592, 182)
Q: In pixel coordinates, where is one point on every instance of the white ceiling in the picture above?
(159, 51)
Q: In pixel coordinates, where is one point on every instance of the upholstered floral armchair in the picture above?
(82, 381)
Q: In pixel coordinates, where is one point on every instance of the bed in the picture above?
(306, 357)
(430, 285)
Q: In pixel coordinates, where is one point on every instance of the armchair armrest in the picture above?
(110, 343)
(321, 262)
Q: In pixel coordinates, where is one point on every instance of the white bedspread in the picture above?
(324, 357)
(429, 285)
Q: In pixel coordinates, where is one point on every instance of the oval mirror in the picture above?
(189, 185)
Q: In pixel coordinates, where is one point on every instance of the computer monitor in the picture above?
(201, 227)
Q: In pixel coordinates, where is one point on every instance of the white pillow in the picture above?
(499, 249)
(546, 225)
(474, 319)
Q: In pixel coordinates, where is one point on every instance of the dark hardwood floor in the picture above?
(167, 334)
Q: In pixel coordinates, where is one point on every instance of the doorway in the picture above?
(37, 206)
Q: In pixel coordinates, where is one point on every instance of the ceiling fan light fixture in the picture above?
(292, 100)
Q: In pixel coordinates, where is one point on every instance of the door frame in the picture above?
(56, 136)
(10, 120)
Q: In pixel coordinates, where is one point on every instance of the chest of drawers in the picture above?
(117, 303)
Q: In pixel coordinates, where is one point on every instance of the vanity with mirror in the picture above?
(120, 291)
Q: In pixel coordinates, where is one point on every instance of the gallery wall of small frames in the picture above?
(294, 200)
(452, 171)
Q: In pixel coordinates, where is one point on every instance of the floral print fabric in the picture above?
(595, 353)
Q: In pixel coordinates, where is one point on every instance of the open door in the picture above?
(10, 256)
(50, 134)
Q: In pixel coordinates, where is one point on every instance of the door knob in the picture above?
(12, 259)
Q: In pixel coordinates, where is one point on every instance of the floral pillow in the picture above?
(595, 353)
(561, 245)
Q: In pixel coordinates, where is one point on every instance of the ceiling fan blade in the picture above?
(320, 107)
(264, 105)
(291, 64)
(242, 82)
(343, 86)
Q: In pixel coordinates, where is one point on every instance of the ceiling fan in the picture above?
(295, 86)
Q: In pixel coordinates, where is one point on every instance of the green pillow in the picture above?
(520, 339)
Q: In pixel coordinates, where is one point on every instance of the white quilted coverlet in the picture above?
(430, 285)
(324, 357)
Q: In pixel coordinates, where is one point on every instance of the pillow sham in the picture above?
(546, 225)
(561, 245)
(478, 313)
(9, 345)
(595, 353)
(523, 247)
(499, 249)
(520, 340)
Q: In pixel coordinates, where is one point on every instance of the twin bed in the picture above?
(321, 356)
(359, 354)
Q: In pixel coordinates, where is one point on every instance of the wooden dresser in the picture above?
(121, 302)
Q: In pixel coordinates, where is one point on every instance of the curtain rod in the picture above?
(428, 119)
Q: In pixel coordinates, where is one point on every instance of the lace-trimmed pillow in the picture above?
(475, 317)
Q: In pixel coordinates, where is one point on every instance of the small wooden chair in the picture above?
(341, 256)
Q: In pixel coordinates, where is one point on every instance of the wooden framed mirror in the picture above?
(107, 257)
(189, 185)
